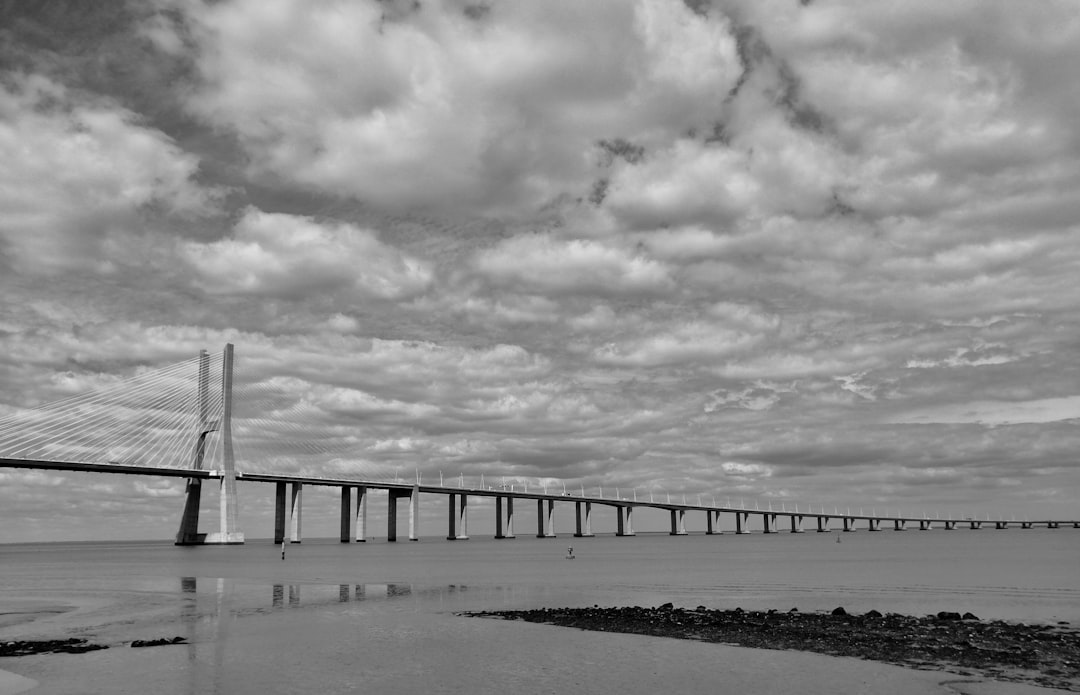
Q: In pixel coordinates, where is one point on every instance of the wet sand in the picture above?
(1043, 655)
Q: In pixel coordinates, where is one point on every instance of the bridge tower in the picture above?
(228, 532)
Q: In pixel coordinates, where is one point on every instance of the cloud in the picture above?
(79, 175)
(539, 263)
(290, 256)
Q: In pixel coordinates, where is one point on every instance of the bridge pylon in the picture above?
(228, 532)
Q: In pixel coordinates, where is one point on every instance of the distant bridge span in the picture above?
(355, 496)
(159, 417)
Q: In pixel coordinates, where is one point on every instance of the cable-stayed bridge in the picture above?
(192, 420)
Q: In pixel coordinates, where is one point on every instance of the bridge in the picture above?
(178, 422)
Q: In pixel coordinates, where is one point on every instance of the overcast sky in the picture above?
(779, 251)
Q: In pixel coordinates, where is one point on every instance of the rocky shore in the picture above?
(1046, 655)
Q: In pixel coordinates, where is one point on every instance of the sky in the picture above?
(773, 251)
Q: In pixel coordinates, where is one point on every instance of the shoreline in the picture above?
(1035, 654)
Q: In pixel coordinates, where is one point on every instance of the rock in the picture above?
(948, 615)
(793, 610)
(158, 642)
(872, 614)
(839, 611)
(666, 607)
(969, 616)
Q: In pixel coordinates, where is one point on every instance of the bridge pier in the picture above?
(296, 513)
(360, 532)
(873, 524)
(619, 528)
(458, 523)
(346, 514)
(414, 513)
(630, 520)
(796, 523)
(950, 525)
(550, 519)
(280, 493)
(899, 525)
(678, 522)
(849, 524)
(712, 522)
(768, 523)
(741, 520)
(999, 525)
(510, 517)
(823, 524)
(975, 525)
(499, 517)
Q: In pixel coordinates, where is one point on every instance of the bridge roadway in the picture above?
(457, 523)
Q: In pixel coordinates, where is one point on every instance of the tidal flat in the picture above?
(1039, 654)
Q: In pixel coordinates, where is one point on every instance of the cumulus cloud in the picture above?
(540, 263)
(290, 256)
(78, 174)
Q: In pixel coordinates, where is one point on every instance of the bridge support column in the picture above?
(280, 494)
(630, 521)
(925, 524)
(899, 525)
(768, 523)
(823, 524)
(709, 523)
(509, 517)
(550, 519)
(796, 524)
(1000, 525)
(296, 512)
(189, 521)
(499, 517)
(950, 525)
(873, 524)
(346, 513)
(1025, 524)
(541, 532)
(678, 522)
(577, 520)
(588, 520)
(620, 525)
(391, 517)
(740, 523)
(414, 513)
(451, 522)
(849, 524)
(463, 517)
(361, 515)
(975, 525)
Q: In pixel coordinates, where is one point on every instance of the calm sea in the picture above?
(378, 617)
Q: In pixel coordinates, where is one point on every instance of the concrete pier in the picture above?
(678, 522)
(541, 532)
(451, 521)
(796, 523)
(414, 513)
(296, 512)
(509, 517)
(873, 524)
(823, 524)
(346, 514)
(360, 532)
(463, 517)
(768, 523)
(742, 520)
(499, 517)
(550, 519)
(849, 524)
(280, 495)
(899, 525)
(630, 521)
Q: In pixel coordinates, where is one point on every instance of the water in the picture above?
(379, 617)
